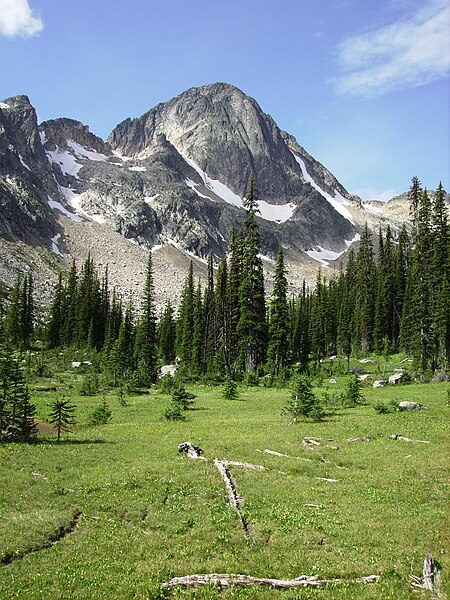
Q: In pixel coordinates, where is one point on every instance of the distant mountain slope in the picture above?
(174, 177)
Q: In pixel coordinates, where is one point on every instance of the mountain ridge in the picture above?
(174, 177)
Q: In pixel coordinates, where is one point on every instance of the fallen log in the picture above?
(396, 436)
(233, 496)
(431, 578)
(274, 453)
(191, 450)
(225, 580)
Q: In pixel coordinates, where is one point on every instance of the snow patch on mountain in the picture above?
(278, 213)
(54, 205)
(323, 255)
(137, 168)
(66, 160)
(83, 152)
(55, 248)
(337, 202)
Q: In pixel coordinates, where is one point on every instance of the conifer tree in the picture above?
(209, 319)
(167, 334)
(233, 300)
(278, 351)
(146, 335)
(54, 327)
(61, 415)
(364, 293)
(197, 365)
(69, 307)
(252, 328)
(222, 304)
(185, 321)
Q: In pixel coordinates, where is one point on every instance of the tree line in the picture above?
(391, 295)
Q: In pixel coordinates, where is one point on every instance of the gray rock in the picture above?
(406, 405)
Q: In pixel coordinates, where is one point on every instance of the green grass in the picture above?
(149, 514)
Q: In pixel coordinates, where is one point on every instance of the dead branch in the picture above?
(235, 500)
(364, 438)
(274, 453)
(191, 450)
(327, 479)
(226, 580)
(431, 578)
(396, 436)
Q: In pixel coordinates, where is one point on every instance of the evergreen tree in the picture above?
(69, 307)
(185, 321)
(23, 426)
(210, 325)
(230, 389)
(121, 355)
(16, 410)
(364, 293)
(231, 347)
(303, 401)
(222, 303)
(197, 365)
(167, 335)
(12, 320)
(252, 328)
(62, 414)
(146, 334)
(278, 352)
(54, 327)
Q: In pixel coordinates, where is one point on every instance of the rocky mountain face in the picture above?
(171, 181)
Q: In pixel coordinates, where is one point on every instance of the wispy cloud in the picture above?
(404, 54)
(17, 19)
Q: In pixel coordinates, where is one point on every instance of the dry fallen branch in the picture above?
(228, 579)
(235, 500)
(431, 578)
(396, 436)
(191, 450)
(364, 438)
(327, 479)
(274, 453)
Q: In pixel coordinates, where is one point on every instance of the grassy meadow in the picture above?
(114, 510)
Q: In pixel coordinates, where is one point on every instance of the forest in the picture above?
(391, 295)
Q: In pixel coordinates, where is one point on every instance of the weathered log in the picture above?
(363, 438)
(191, 450)
(431, 578)
(274, 453)
(233, 496)
(396, 436)
(226, 580)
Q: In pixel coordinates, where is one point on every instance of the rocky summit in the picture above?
(171, 181)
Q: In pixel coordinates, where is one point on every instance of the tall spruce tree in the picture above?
(185, 321)
(167, 335)
(222, 304)
(364, 293)
(146, 334)
(278, 351)
(252, 327)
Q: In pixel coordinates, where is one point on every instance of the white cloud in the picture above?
(16, 18)
(408, 53)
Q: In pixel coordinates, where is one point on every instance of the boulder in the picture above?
(406, 405)
(394, 379)
(379, 383)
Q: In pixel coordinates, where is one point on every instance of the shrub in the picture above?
(100, 415)
(230, 389)
(90, 385)
(303, 401)
(381, 408)
(352, 395)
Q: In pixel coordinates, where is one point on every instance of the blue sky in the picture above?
(362, 85)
